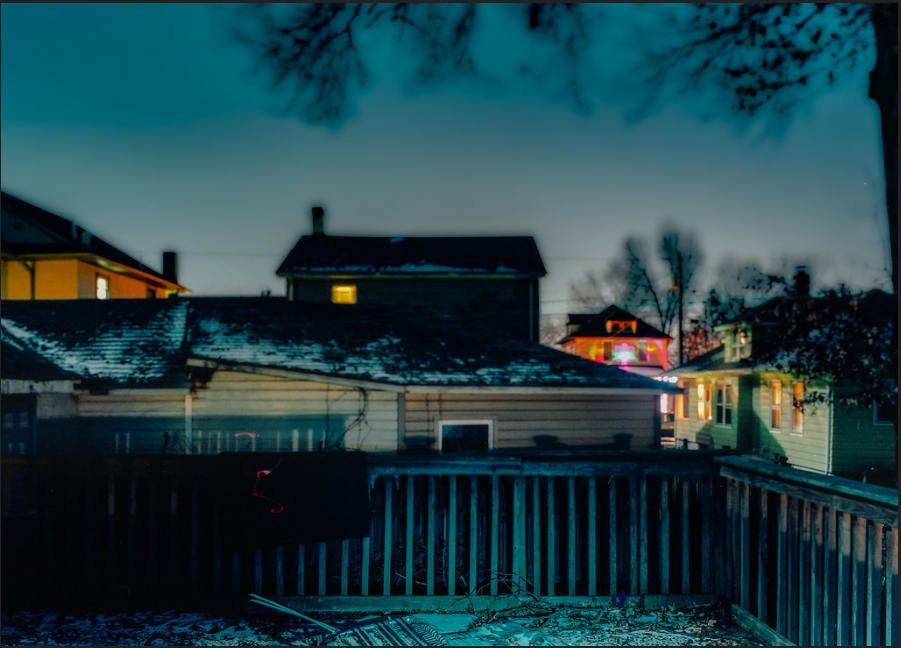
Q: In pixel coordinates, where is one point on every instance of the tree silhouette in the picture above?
(762, 56)
(770, 57)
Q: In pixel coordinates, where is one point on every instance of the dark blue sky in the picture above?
(148, 125)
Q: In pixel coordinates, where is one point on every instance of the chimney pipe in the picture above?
(170, 266)
(318, 220)
(801, 282)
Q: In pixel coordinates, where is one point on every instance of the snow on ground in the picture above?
(701, 626)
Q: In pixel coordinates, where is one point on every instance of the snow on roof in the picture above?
(513, 255)
(148, 342)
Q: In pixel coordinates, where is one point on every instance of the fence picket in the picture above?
(591, 513)
(874, 583)
(451, 534)
(571, 536)
(843, 624)
(612, 531)
(536, 535)
(408, 544)
(495, 513)
(762, 556)
(473, 533)
(859, 583)
(551, 538)
(386, 554)
(430, 537)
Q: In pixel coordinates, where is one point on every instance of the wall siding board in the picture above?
(596, 420)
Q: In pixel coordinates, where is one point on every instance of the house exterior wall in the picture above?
(518, 418)
(750, 430)
(592, 348)
(121, 286)
(507, 304)
(53, 279)
(810, 448)
(233, 411)
(859, 444)
(68, 279)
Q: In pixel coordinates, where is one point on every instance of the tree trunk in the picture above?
(884, 91)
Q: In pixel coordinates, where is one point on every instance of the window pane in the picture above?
(885, 413)
(344, 294)
(459, 437)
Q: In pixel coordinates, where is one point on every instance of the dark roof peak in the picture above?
(471, 255)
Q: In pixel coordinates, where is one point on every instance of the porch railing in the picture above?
(807, 558)
(813, 557)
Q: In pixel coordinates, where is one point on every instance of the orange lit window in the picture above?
(775, 404)
(682, 408)
(344, 294)
(797, 410)
(101, 287)
(705, 411)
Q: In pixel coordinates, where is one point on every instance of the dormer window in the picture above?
(344, 294)
(615, 326)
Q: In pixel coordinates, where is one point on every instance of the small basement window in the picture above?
(344, 294)
(463, 436)
(101, 286)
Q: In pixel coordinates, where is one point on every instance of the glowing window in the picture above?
(775, 404)
(797, 408)
(101, 287)
(346, 294)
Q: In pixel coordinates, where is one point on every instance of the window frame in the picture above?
(442, 422)
(353, 291)
(683, 402)
(724, 407)
(877, 420)
(705, 404)
(797, 430)
(775, 408)
(97, 277)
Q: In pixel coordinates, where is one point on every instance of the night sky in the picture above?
(148, 125)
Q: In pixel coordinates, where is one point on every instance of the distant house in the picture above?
(485, 282)
(616, 337)
(729, 400)
(45, 256)
(207, 375)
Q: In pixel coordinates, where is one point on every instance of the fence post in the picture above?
(612, 531)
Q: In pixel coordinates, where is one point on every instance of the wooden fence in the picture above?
(145, 530)
(811, 559)
(806, 558)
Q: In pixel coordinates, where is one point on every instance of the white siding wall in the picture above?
(518, 418)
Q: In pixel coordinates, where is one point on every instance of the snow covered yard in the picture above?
(703, 626)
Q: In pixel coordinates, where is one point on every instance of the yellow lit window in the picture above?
(797, 410)
(101, 287)
(344, 294)
(775, 405)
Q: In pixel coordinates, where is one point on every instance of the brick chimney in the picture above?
(170, 266)
(318, 220)
(801, 284)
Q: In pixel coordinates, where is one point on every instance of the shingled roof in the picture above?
(29, 230)
(149, 347)
(471, 255)
(595, 325)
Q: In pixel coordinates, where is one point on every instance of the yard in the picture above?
(527, 626)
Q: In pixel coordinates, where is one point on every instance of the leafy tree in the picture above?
(838, 337)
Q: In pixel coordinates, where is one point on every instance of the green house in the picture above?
(729, 401)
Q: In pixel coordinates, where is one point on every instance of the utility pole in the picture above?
(681, 301)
